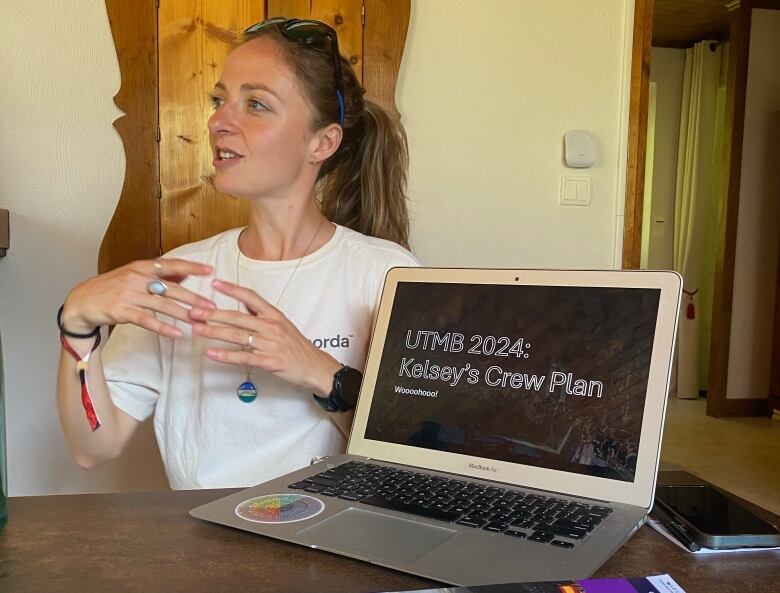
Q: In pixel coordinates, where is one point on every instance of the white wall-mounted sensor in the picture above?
(580, 149)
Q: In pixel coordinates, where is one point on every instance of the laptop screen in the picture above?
(548, 376)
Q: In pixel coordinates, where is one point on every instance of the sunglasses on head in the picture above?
(314, 34)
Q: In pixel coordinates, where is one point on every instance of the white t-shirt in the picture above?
(208, 438)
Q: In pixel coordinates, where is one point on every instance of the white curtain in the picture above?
(695, 190)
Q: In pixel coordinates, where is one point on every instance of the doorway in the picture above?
(738, 292)
(683, 171)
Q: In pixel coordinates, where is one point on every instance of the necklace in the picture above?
(247, 391)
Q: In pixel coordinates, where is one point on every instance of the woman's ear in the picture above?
(327, 142)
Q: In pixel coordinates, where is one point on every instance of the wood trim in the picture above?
(774, 380)
(766, 4)
(134, 230)
(774, 373)
(726, 247)
(637, 132)
(384, 39)
(746, 407)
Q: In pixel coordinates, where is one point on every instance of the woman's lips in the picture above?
(226, 158)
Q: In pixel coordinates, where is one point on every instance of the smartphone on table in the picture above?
(715, 520)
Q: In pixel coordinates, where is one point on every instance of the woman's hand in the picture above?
(276, 345)
(122, 296)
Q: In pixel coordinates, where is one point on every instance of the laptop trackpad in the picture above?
(371, 535)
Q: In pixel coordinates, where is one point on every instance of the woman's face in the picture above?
(260, 131)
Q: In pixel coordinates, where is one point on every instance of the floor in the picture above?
(741, 455)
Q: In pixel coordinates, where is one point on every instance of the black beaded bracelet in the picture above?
(64, 332)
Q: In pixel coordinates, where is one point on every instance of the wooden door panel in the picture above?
(195, 37)
(345, 16)
(384, 38)
(134, 230)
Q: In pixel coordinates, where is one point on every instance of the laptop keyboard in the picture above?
(514, 513)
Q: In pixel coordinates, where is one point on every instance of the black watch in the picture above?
(344, 395)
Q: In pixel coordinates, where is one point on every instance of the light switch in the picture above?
(569, 190)
(575, 190)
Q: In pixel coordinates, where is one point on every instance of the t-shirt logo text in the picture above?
(337, 341)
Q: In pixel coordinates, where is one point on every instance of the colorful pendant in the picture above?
(247, 391)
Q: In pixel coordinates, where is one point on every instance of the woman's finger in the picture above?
(165, 306)
(172, 268)
(148, 321)
(179, 293)
(243, 358)
(253, 301)
(232, 335)
(223, 317)
(231, 326)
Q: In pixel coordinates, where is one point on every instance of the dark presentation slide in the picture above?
(548, 376)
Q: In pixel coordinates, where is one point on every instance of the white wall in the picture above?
(758, 225)
(487, 90)
(666, 70)
(61, 171)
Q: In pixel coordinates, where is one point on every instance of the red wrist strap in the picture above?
(82, 364)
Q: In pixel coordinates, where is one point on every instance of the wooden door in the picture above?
(134, 230)
(195, 37)
(173, 50)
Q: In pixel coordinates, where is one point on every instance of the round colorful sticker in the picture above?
(280, 508)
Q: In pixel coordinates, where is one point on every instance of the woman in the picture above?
(226, 340)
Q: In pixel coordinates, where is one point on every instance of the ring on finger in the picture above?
(249, 339)
(158, 267)
(157, 287)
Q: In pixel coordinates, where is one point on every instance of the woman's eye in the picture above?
(256, 105)
(216, 101)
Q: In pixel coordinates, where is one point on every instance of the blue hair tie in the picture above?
(340, 98)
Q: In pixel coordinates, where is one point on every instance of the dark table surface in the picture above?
(147, 542)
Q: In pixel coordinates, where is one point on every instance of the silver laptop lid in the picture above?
(550, 379)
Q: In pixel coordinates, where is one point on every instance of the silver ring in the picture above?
(249, 339)
(158, 267)
(157, 287)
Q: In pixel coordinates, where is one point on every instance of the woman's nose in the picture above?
(221, 121)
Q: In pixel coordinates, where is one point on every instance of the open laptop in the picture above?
(508, 428)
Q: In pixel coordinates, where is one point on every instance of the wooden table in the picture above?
(147, 542)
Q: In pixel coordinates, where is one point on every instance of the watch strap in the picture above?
(335, 401)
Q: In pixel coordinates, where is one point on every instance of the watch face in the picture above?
(350, 387)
